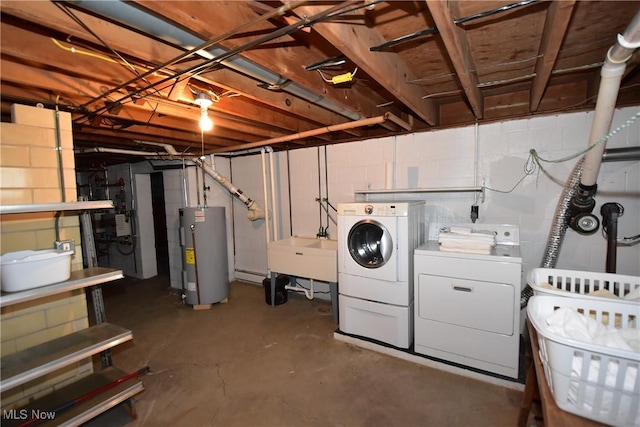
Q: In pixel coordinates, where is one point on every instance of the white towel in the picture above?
(459, 239)
(466, 250)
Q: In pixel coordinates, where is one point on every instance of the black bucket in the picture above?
(281, 292)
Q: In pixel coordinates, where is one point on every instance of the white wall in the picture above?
(446, 158)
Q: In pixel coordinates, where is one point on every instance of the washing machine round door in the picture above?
(370, 243)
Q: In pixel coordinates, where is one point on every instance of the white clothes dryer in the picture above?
(467, 305)
(375, 268)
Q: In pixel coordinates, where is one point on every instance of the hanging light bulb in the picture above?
(204, 101)
(206, 124)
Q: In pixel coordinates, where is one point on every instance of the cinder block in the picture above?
(47, 195)
(43, 157)
(42, 117)
(19, 326)
(7, 347)
(65, 314)
(15, 196)
(12, 242)
(23, 136)
(14, 156)
(42, 336)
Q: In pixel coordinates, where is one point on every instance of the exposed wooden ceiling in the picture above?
(128, 71)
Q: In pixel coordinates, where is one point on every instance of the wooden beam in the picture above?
(459, 51)
(354, 41)
(284, 56)
(307, 115)
(76, 89)
(555, 27)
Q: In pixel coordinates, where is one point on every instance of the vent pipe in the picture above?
(582, 203)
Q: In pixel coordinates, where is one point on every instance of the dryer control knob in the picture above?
(368, 209)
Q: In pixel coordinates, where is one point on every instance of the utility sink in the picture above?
(305, 257)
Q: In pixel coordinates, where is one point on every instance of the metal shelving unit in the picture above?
(37, 361)
(78, 280)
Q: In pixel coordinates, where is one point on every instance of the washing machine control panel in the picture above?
(374, 209)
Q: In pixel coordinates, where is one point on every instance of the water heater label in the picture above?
(189, 256)
(191, 286)
(199, 216)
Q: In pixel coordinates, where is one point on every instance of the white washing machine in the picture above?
(468, 305)
(375, 268)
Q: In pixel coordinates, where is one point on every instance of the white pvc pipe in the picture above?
(611, 75)
(274, 201)
(307, 292)
(255, 212)
(265, 190)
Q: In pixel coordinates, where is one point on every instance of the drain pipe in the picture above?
(307, 292)
(255, 212)
(610, 213)
(582, 204)
(576, 202)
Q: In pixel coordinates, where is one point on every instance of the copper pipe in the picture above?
(305, 134)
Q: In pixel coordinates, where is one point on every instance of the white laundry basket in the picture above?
(590, 380)
(572, 283)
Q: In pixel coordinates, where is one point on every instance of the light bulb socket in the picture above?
(203, 100)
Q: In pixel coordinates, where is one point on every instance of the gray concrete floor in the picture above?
(245, 363)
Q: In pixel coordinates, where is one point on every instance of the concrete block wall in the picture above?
(29, 174)
(447, 158)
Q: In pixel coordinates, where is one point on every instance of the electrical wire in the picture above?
(533, 161)
(79, 21)
(529, 169)
(600, 141)
(331, 81)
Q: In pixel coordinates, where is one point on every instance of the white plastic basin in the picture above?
(305, 257)
(24, 270)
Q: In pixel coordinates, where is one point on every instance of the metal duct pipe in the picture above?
(128, 14)
(558, 227)
(621, 154)
(611, 75)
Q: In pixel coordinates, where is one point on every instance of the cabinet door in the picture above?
(472, 304)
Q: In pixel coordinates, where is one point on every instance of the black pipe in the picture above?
(621, 154)
(610, 213)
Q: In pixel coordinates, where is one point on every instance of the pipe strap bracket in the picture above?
(628, 44)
